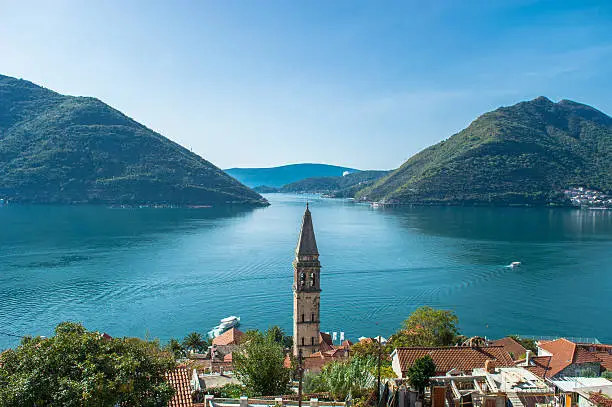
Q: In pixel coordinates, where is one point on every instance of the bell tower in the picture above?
(306, 290)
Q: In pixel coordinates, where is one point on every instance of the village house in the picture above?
(566, 358)
(450, 359)
(510, 345)
(180, 380)
(597, 396)
(576, 391)
(491, 387)
(328, 352)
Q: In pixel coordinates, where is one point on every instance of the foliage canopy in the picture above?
(259, 364)
(420, 372)
(66, 149)
(527, 153)
(77, 367)
(427, 326)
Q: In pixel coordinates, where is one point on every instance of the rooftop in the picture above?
(230, 337)
(180, 380)
(515, 349)
(459, 358)
(564, 353)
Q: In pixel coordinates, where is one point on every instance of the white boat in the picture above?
(226, 323)
(229, 322)
(515, 264)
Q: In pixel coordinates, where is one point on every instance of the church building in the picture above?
(306, 291)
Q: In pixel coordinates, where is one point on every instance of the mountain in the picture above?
(523, 154)
(338, 187)
(286, 174)
(66, 149)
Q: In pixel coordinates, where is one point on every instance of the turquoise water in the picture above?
(162, 273)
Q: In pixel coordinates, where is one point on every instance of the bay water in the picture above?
(162, 273)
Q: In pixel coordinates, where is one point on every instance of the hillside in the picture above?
(339, 187)
(66, 149)
(286, 174)
(523, 154)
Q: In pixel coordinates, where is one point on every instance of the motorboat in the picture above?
(226, 324)
(229, 322)
(515, 264)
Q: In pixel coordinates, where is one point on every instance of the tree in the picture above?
(420, 372)
(364, 349)
(259, 364)
(342, 378)
(194, 342)
(279, 336)
(173, 346)
(77, 367)
(427, 326)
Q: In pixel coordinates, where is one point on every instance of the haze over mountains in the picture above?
(285, 174)
(66, 149)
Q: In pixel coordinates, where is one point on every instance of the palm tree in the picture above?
(194, 342)
(175, 347)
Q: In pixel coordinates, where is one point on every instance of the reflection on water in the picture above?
(507, 224)
(166, 272)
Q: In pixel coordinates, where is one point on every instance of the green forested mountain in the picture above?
(522, 154)
(66, 149)
(340, 187)
(285, 174)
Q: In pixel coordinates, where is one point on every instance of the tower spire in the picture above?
(307, 244)
(306, 290)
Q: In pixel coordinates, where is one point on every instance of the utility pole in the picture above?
(300, 374)
(379, 355)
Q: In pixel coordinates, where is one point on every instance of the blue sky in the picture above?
(264, 83)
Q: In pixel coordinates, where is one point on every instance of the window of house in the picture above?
(302, 317)
(312, 318)
(312, 340)
(302, 341)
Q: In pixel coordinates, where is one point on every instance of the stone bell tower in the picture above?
(306, 290)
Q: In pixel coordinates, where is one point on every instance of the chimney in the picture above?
(527, 357)
(490, 366)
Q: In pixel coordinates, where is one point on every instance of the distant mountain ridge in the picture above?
(67, 149)
(285, 174)
(527, 153)
(335, 187)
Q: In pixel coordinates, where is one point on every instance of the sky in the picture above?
(260, 83)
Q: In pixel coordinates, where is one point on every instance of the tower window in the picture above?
(312, 340)
(312, 317)
(302, 341)
(302, 317)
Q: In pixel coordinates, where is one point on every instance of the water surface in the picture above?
(165, 272)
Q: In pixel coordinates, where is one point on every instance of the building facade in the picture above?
(306, 291)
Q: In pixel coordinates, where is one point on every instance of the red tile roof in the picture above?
(540, 366)
(325, 342)
(605, 359)
(562, 352)
(565, 353)
(515, 349)
(230, 337)
(180, 380)
(346, 344)
(600, 400)
(601, 352)
(461, 358)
